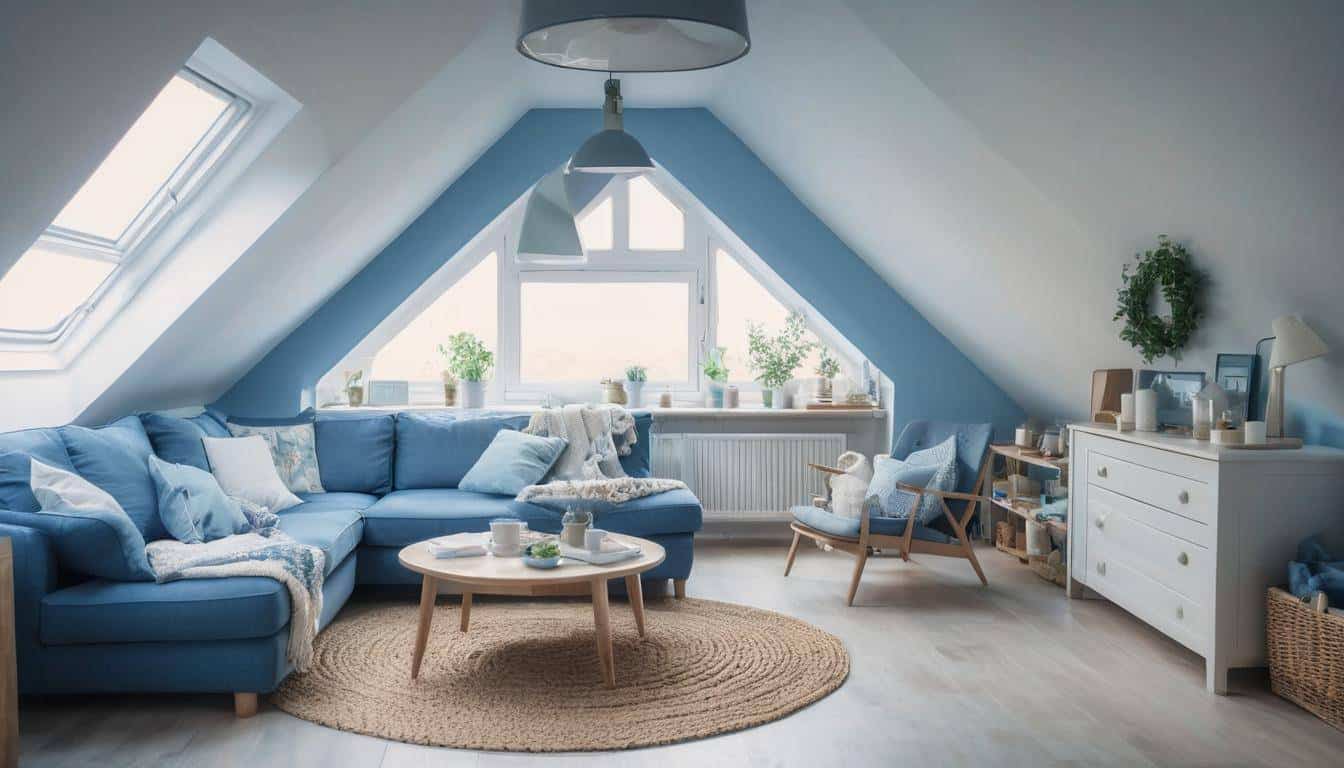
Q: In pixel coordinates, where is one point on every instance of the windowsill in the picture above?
(659, 414)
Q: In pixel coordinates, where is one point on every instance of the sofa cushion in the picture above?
(676, 511)
(354, 451)
(192, 506)
(100, 611)
(75, 503)
(848, 527)
(315, 501)
(637, 462)
(116, 459)
(178, 440)
(405, 517)
(16, 448)
(512, 462)
(435, 450)
(333, 528)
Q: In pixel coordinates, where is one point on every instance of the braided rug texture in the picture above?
(526, 678)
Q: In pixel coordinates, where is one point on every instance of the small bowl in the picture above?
(543, 563)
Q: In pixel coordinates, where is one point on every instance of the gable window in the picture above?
(160, 161)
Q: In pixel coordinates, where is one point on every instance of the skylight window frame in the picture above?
(191, 175)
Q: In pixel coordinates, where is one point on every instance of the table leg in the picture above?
(602, 621)
(636, 592)
(466, 610)
(429, 589)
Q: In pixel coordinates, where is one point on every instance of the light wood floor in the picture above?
(945, 672)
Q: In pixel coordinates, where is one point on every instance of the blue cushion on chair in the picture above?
(192, 506)
(827, 522)
(933, 468)
(116, 459)
(512, 462)
(178, 440)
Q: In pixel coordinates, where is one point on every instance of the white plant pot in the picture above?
(779, 398)
(634, 393)
(471, 394)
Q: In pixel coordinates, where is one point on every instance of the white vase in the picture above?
(634, 393)
(778, 398)
(471, 393)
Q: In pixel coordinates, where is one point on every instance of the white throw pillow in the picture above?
(54, 487)
(244, 469)
(294, 452)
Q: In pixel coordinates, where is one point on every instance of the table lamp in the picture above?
(1293, 343)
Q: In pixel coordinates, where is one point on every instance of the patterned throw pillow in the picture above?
(934, 468)
(294, 451)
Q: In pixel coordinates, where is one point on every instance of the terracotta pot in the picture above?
(449, 389)
(355, 395)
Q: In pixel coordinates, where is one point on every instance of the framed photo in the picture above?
(1174, 390)
(1235, 373)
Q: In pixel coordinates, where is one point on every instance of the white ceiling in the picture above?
(995, 161)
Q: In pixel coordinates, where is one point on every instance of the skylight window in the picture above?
(164, 156)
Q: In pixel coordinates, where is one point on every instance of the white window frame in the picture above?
(141, 233)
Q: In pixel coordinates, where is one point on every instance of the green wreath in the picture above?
(1154, 335)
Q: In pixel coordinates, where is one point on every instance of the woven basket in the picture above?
(1004, 533)
(1306, 656)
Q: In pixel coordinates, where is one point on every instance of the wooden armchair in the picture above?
(946, 538)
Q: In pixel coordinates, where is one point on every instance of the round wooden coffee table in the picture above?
(490, 575)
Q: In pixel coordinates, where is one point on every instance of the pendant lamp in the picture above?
(549, 234)
(634, 35)
(611, 150)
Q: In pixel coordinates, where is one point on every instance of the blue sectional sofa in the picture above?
(390, 480)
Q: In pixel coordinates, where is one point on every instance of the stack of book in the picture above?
(613, 550)
(457, 545)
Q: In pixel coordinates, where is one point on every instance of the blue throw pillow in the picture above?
(191, 504)
(178, 440)
(933, 468)
(73, 503)
(115, 458)
(512, 462)
(354, 451)
(435, 450)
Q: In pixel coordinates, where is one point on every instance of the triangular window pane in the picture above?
(740, 301)
(595, 227)
(656, 223)
(469, 305)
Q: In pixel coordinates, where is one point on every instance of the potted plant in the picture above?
(774, 359)
(354, 388)
(635, 376)
(717, 375)
(828, 367)
(470, 363)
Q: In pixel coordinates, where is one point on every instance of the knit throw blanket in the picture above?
(278, 556)
(590, 466)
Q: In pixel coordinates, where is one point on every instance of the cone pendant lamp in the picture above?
(549, 234)
(611, 150)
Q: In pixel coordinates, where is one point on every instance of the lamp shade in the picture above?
(634, 35)
(611, 151)
(1294, 342)
(549, 234)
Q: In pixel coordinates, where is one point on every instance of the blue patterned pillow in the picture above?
(294, 451)
(934, 468)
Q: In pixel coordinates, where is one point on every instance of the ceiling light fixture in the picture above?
(549, 234)
(611, 150)
(634, 35)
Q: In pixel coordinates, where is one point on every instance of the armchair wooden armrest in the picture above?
(826, 469)
(944, 494)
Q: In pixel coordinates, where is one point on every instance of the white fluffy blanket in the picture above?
(597, 436)
(611, 490)
(297, 566)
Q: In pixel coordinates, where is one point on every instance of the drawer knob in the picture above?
(1101, 568)
(1183, 559)
(1180, 612)
(1101, 522)
(1101, 471)
(1184, 497)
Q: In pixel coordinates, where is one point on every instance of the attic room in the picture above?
(655, 382)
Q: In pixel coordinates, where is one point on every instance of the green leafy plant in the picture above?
(353, 378)
(828, 367)
(544, 549)
(468, 358)
(1169, 267)
(636, 373)
(713, 366)
(776, 358)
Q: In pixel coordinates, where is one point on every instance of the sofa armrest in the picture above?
(34, 577)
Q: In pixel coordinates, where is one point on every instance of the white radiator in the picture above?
(746, 477)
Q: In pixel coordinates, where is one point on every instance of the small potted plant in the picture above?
(717, 375)
(354, 388)
(774, 359)
(635, 376)
(828, 367)
(470, 363)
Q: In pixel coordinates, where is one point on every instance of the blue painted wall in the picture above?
(932, 378)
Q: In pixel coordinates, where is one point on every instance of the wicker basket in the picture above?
(1306, 656)
(1004, 533)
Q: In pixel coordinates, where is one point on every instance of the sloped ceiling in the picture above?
(996, 162)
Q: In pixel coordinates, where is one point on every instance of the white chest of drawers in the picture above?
(1187, 536)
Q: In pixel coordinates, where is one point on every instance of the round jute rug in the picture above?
(526, 677)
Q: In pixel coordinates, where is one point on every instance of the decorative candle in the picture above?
(1023, 437)
(1145, 410)
(1255, 433)
(1127, 411)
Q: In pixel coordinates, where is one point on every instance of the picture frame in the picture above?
(1236, 374)
(1174, 392)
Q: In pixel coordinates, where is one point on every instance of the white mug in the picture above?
(1255, 433)
(593, 538)
(507, 535)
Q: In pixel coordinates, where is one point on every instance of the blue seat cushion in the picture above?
(405, 517)
(313, 501)
(116, 459)
(668, 512)
(100, 611)
(178, 440)
(822, 520)
(335, 529)
(354, 451)
(435, 450)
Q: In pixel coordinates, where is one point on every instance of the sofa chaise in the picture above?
(390, 479)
